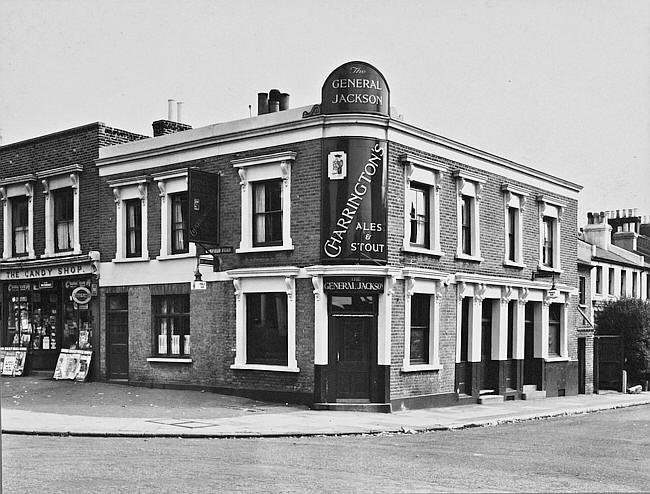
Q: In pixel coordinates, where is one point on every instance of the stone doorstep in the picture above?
(488, 399)
(533, 395)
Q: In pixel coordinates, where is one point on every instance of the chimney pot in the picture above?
(179, 110)
(262, 103)
(170, 110)
(284, 101)
(274, 106)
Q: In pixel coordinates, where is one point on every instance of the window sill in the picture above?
(61, 254)
(423, 250)
(20, 258)
(262, 367)
(513, 264)
(170, 360)
(421, 368)
(129, 259)
(275, 248)
(549, 269)
(557, 359)
(171, 257)
(466, 257)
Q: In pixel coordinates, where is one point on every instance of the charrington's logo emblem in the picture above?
(337, 165)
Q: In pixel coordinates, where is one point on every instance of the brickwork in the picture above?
(213, 311)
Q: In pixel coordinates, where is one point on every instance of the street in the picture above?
(595, 452)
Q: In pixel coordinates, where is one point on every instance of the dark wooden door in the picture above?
(488, 366)
(118, 336)
(582, 365)
(530, 374)
(609, 361)
(353, 356)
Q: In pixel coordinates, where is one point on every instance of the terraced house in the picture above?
(362, 262)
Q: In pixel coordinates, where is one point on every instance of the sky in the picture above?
(560, 86)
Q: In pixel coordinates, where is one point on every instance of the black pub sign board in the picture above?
(355, 87)
(353, 208)
(203, 205)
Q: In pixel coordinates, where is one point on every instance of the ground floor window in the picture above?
(420, 328)
(554, 330)
(171, 314)
(465, 318)
(266, 328)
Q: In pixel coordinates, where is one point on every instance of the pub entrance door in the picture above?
(352, 346)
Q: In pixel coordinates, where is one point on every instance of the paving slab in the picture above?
(35, 406)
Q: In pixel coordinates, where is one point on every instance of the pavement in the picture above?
(39, 405)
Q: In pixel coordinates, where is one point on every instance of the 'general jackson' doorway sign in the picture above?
(355, 87)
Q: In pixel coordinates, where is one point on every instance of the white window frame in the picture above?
(564, 325)
(514, 198)
(470, 185)
(414, 284)
(17, 187)
(429, 175)
(550, 209)
(263, 168)
(60, 178)
(264, 280)
(169, 183)
(124, 190)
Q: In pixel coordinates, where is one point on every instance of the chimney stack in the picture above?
(170, 126)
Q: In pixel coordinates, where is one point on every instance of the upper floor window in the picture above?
(267, 213)
(131, 218)
(582, 289)
(550, 216)
(19, 226)
(418, 204)
(265, 202)
(469, 187)
(179, 212)
(548, 241)
(133, 227)
(623, 283)
(16, 195)
(63, 219)
(61, 189)
(421, 205)
(599, 279)
(514, 200)
(635, 284)
(174, 211)
(610, 284)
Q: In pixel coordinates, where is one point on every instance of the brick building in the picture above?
(614, 262)
(49, 191)
(364, 262)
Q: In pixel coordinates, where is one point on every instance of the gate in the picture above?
(608, 362)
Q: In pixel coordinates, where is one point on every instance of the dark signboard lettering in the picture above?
(354, 201)
(203, 202)
(353, 284)
(355, 87)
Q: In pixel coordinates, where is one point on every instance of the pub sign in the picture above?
(355, 87)
(203, 205)
(354, 202)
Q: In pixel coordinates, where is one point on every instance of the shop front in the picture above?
(49, 306)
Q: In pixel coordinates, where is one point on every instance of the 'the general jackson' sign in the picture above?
(355, 87)
(354, 201)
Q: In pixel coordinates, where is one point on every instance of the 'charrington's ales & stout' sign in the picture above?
(355, 87)
(354, 201)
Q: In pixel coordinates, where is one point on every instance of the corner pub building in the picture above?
(363, 263)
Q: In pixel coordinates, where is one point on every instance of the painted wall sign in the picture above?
(203, 193)
(353, 284)
(354, 207)
(355, 87)
(46, 272)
